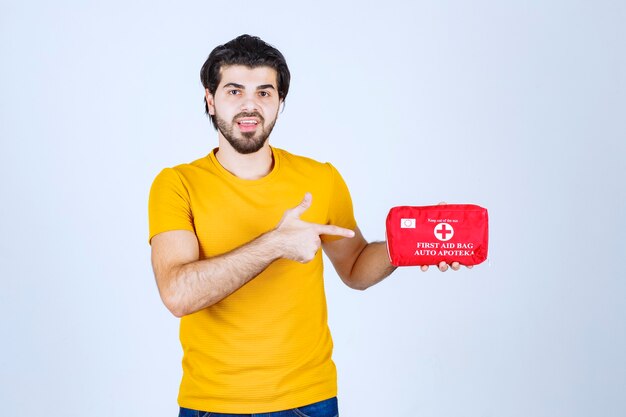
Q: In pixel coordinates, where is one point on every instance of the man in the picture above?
(235, 249)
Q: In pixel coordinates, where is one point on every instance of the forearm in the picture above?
(200, 284)
(187, 284)
(371, 266)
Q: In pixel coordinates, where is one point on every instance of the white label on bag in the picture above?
(407, 223)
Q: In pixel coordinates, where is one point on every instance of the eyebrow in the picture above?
(261, 87)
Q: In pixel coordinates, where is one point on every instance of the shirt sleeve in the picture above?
(169, 205)
(340, 211)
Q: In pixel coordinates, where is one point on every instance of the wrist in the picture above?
(273, 243)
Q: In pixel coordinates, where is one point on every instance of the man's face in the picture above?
(245, 106)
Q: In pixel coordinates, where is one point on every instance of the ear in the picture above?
(210, 101)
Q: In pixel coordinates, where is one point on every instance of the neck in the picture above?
(248, 167)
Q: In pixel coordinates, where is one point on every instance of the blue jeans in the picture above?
(326, 408)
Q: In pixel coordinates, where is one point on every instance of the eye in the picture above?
(233, 92)
(264, 94)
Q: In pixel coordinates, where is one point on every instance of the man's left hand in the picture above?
(443, 267)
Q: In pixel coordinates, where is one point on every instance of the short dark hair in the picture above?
(247, 50)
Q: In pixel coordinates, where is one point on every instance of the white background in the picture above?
(517, 106)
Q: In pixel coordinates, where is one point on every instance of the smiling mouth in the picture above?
(247, 125)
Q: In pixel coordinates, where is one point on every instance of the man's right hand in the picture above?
(299, 240)
(188, 284)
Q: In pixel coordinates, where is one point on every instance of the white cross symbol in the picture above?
(442, 230)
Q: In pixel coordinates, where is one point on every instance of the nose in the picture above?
(249, 103)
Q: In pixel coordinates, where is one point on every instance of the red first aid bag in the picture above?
(428, 235)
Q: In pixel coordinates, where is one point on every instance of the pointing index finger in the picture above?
(332, 230)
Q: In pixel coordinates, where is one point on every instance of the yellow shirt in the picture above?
(267, 346)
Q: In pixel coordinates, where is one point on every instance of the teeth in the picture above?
(248, 122)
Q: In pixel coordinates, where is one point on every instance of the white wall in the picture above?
(516, 106)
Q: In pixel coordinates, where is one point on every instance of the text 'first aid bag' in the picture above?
(428, 235)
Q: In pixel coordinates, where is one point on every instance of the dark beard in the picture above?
(247, 144)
